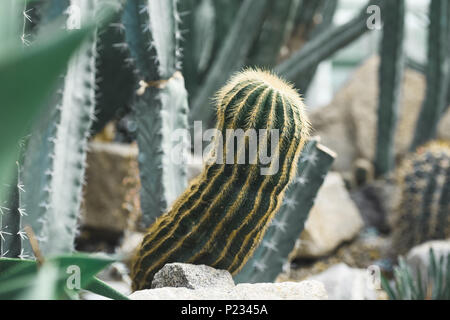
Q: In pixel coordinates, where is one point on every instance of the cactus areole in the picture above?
(223, 214)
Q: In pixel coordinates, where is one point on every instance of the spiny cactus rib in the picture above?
(115, 78)
(271, 256)
(438, 74)
(325, 45)
(241, 35)
(390, 80)
(160, 110)
(225, 210)
(55, 178)
(424, 210)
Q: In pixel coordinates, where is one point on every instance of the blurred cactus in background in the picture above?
(437, 73)
(423, 212)
(390, 80)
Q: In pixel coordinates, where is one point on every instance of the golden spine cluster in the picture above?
(224, 212)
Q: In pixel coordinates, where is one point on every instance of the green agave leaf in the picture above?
(45, 284)
(86, 267)
(21, 279)
(101, 288)
(16, 276)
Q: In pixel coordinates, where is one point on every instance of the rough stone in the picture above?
(344, 283)
(305, 290)
(333, 220)
(191, 277)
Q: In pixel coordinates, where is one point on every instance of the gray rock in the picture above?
(305, 290)
(333, 220)
(344, 283)
(191, 277)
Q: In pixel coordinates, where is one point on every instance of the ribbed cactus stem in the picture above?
(272, 255)
(224, 212)
(390, 81)
(153, 37)
(423, 212)
(54, 178)
(11, 221)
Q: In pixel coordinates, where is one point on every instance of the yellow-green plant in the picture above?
(225, 211)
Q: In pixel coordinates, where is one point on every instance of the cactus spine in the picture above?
(153, 36)
(390, 80)
(225, 211)
(271, 257)
(437, 74)
(54, 179)
(423, 212)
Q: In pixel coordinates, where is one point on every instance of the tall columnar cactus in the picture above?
(275, 31)
(153, 37)
(390, 80)
(326, 44)
(224, 213)
(437, 73)
(271, 256)
(243, 32)
(423, 212)
(54, 165)
(304, 79)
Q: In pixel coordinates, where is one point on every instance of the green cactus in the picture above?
(271, 257)
(54, 178)
(275, 31)
(305, 16)
(423, 212)
(115, 77)
(198, 27)
(11, 226)
(304, 80)
(225, 211)
(243, 32)
(390, 80)
(153, 37)
(325, 45)
(437, 74)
